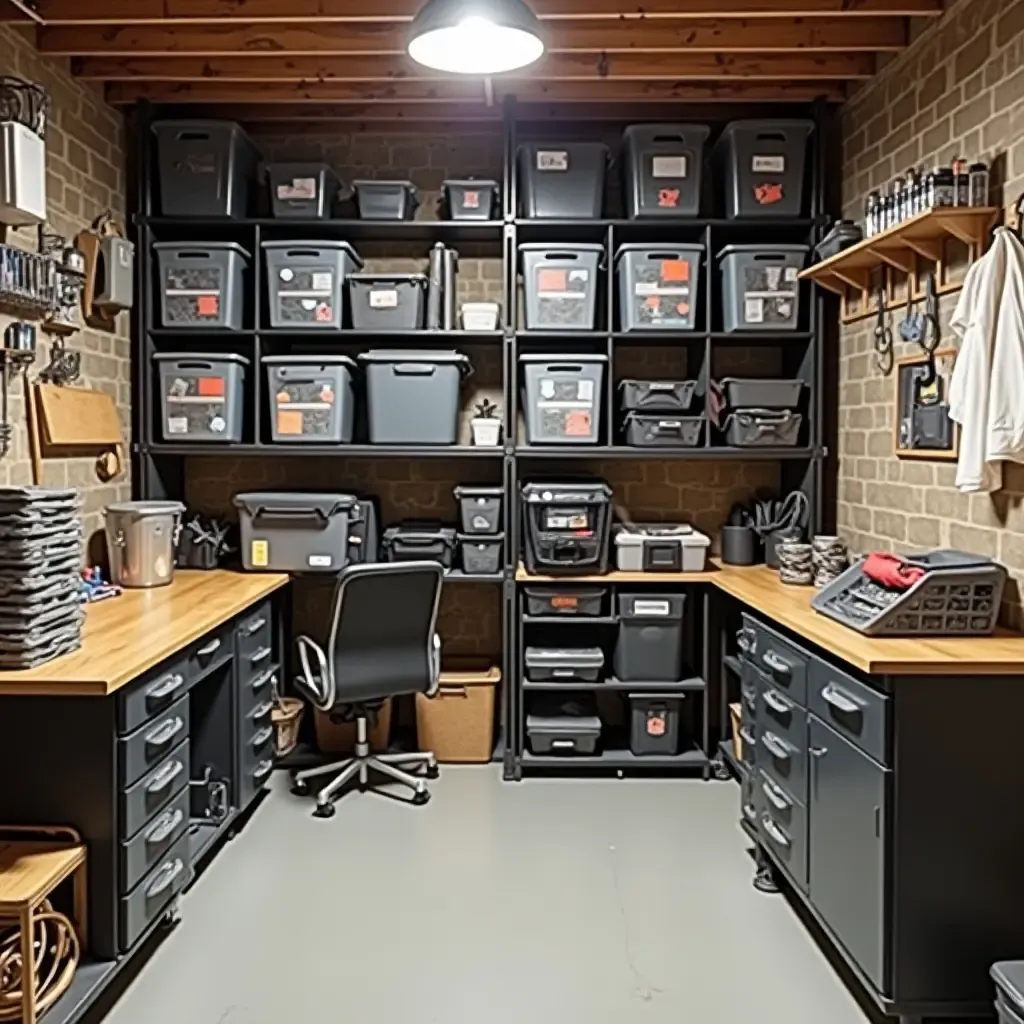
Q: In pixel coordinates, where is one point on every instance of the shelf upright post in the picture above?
(257, 345)
(609, 327)
(142, 314)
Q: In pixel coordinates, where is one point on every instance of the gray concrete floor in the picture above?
(552, 900)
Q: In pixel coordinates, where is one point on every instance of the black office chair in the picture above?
(383, 643)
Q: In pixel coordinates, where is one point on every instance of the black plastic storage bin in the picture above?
(560, 285)
(566, 602)
(760, 288)
(566, 527)
(311, 397)
(650, 644)
(763, 428)
(388, 302)
(563, 725)
(205, 168)
(763, 166)
(481, 556)
(418, 540)
(757, 393)
(202, 286)
(657, 395)
(654, 724)
(562, 180)
(563, 397)
(304, 191)
(306, 282)
(202, 395)
(469, 199)
(386, 200)
(480, 509)
(563, 664)
(658, 286)
(1009, 978)
(663, 430)
(663, 169)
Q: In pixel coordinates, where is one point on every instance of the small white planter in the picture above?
(486, 433)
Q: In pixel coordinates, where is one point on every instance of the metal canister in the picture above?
(435, 286)
(141, 541)
(449, 303)
(945, 187)
(978, 184)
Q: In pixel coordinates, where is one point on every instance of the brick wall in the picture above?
(85, 176)
(957, 91)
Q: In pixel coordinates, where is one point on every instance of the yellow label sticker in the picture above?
(260, 554)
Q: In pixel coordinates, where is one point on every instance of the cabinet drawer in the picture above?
(255, 629)
(779, 713)
(253, 778)
(154, 892)
(851, 708)
(212, 650)
(748, 734)
(258, 745)
(255, 663)
(152, 741)
(255, 718)
(782, 825)
(784, 760)
(748, 810)
(155, 838)
(153, 791)
(154, 693)
(783, 662)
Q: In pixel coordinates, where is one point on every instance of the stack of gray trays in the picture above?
(41, 545)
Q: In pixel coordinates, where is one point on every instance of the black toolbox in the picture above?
(567, 527)
(558, 724)
(420, 540)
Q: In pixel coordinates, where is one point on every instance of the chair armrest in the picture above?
(316, 684)
(435, 666)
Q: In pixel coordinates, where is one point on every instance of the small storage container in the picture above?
(202, 286)
(562, 181)
(1009, 978)
(457, 722)
(480, 316)
(760, 290)
(201, 397)
(413, 396)
(205, 168)
(560, 285)
(306, 282)
(763, 428)
(663, 430)
(481, 556)
(654, 724)
(559, 724)
(660, 548)
(763, 166)
(564, 664)
(311, 398)
(756, 393)
(388, 302)
(658, 286)
(420, 540)
(386, 200)
(480, 509)
(568, 602)
(469, 199)
(650, 644)
(294, 531)
(656, 395)
(663, 168)
(302, 190)
(563, 397)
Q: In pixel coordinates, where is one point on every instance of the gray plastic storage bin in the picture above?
(201, 396)
(1009, 978)
(386, 200)
(202, 286)
(664, 165)
(292, 531)
(560, 285)
(563, 664)
(763, 165)
(481, 556)
(663, 430)
(311, 398)
(760, 290)
(763, 428)
(657, 395)
(563, 397)
(654, 724)
(658, 286)
(302, 190)
(469, 199)
(754, 393)
(650, 644)
(562, 180)
(205, 168)
(564, 726)
(413, 396)
(388, 302)
(480, 509)
(306, 282)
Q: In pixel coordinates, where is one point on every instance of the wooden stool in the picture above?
(30, 870)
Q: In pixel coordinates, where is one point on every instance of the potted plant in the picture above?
(486, 425)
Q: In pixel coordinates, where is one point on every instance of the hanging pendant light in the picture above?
(475, 37)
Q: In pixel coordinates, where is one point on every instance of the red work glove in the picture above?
(891, 571)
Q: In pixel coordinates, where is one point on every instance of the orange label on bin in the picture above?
(565, 601)
(210, 387)
(283, 397)
(768, 194)
(208, 305)
(656, 726)
(675, 270)
(289, 421)
(577, 424)
(552, 280)
(668, 197)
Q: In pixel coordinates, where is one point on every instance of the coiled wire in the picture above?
(796, 563)
(831, 558)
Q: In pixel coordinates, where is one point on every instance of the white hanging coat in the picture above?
(986, 393)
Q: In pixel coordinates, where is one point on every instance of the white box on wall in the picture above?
(22, 175)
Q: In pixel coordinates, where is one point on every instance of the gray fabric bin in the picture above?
(663, 169)
(302, 190)
(560, 285)
(202, 285)
(388, 302)
(563, 397)
(658, 429)
(413, 396)
(306, 282)
(755, 393)
(760, 290)
(659, 286)
(201, 396)
(481, 556)
(386, 200)
(562, 180)
(311, 398)
(763, 428)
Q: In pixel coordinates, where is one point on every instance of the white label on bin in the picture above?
(753, 310)
(308, 304)
(319, 561)
(651, 607)
(773, 275)
(653, 288)
(300, 188)
(218, 424)
(768, 165)
(585, 390)
(177, 424)
(552, 160)
(323, 282)
(286, 274)
(668, 167)
(791, 273)
(384, 299)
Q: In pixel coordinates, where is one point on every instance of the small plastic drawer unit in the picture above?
(558, 724)
(481, 556)
(311, 398)
(663, 169)
(302, 190)
(650, 644)
(201, 397)
(654, 724)
(563, 664)
(658, 286)
(480, 509)
(560, 285)
(306, 282)
(202, 286)
(388, 302)
(386, 200)
(469, 199)
(660, 548)
(562, 180)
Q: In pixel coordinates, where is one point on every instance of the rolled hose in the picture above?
(57, 952)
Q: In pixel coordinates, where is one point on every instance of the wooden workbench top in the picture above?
(124, 636)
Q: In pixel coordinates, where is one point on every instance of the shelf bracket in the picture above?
(928, 248)
(892, 257)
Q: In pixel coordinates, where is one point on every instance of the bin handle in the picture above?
(414, 369)
(304, 252)
(771, 136)
(193, 364)
(764, 257)
(664, 256)
(669, 138)
(276, 512)
(192, 254)
(563, 368)
(549, 256)
(452, 691)
(191, 135)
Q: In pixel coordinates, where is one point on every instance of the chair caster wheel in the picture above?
(420, 798)
(433, 771)
(300, 788)
(324, 811)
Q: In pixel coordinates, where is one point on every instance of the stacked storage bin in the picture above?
(481, 540)
(660, 413)
(761, 413)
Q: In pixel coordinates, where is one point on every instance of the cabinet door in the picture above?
(847, 844)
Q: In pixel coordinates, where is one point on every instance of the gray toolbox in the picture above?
(563, 664)
(650, 643)
(202, 285)
(656, 395)
(658, 286)
(562, 180)
(763, 165)
(388, 302)
(663, 169)
(563, 725)
(306, 282)
(760, 290)
(1008, 976)
(480, 509)
(758, 393)
(386, 200)
(420, 540)
(302, 190)
(663, 430)
(205, 168)
(311, 398)
(412, 396)
(563, 397)
(295, 531)
(763, 428)
(560, 285)
(481, 556)
(201, 396)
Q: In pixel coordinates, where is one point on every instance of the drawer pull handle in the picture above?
(817, 751)
(774, 831)
(165, 877)
(263, 710)
(747, 735)
(745, 640)
(255, 626)
(168, 685)
(775, 702)
(777, 664)
(775, 746)
(262, 737)
(165, 776)
(260, 681)
(164, 826)
(210, 648)
(261, 771)
(841, 700)
(775, 796)
(166, 732)
(261, 655)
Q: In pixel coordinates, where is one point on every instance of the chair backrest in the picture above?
(382, 630)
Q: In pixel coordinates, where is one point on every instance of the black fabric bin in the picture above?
(654, 724)
(481, 556)
(650, 644)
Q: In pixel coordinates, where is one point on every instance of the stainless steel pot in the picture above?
(141, 541)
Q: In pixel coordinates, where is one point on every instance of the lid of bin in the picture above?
(565, 657)
(369, 184)
(669, 251)
(202, 247)
(1009, 978)
(478, 492)
(762, 380)
(561, 247)
(413, 355)
(767, 250)
(311, 360)
(421, 532)
(469, 183)
(481, 539)
(546, 593)
(385, 279)
(199, 125)
(673, 700)
(302, 243)
(562, 357)
(580, 725)
(783, 124)
(266, 503)
(200, 358)
(596, 492)
(145, 508)
(697, 132)
(636, 533)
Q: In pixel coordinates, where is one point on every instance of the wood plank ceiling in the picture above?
(284, 60)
